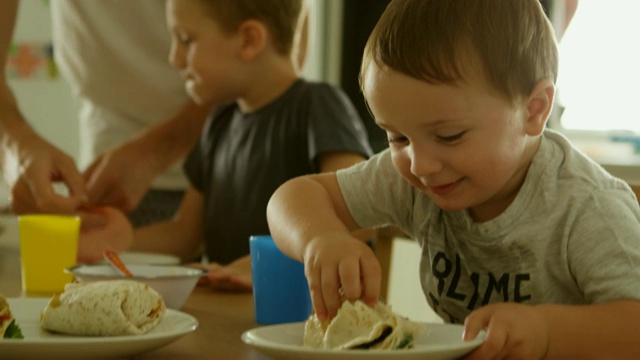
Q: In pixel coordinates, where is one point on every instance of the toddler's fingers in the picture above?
(315, 291)
(371, 277)
(496, 337)
(471, 330)
(477, 321)
(349, 273)
(330, 283)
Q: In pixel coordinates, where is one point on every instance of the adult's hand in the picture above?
(121, 176)
(31, 166)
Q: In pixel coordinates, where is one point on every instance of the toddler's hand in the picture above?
(514, 331)
(340, 263)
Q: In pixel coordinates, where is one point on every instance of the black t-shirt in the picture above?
(242, 159)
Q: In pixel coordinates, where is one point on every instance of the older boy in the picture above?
(268, 126)
(522, 235)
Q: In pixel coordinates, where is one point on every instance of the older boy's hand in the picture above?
(514, 331)
(234, 277)
(339, 262)
(103, 228)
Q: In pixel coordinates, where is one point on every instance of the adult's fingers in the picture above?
(71, 177)
(34, 191)
(38, 198)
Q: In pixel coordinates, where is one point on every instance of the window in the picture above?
(599, 80)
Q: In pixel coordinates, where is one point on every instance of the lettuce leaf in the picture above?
(13, 331)
(406, 343)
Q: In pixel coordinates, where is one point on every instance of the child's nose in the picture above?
(424, 161)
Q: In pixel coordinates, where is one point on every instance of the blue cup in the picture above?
(280, 289)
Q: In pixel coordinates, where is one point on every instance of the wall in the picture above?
(405, 293)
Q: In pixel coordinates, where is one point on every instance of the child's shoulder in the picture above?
(575, 172)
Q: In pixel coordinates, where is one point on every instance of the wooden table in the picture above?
(223, 317)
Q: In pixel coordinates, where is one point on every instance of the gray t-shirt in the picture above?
(571, 235)
(243, 158)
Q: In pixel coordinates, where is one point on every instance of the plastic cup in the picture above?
(280, 289)
(48, 246)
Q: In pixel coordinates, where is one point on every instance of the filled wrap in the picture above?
(8, 327)
(5, 315)
(104, 308)
(359, 326)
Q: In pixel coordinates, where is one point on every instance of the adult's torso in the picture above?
(114, 53)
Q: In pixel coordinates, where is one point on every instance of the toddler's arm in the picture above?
(550, 331)
(309, 221)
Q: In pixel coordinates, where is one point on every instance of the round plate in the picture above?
(439, 341)
(42, 344)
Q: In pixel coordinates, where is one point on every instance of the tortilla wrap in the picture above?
(104, 308)
(5, 316)
(359, 326)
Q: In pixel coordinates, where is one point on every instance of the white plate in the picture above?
(38, 343)
(439, 341)
(133, 257)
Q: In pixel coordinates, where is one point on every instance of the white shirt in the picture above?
(114, 53)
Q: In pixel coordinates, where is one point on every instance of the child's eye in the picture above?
(397, 140)
(451, 138)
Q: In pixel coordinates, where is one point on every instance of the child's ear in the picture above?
(539, 106)
(254, 39)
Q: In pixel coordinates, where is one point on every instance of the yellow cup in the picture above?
(48, 246)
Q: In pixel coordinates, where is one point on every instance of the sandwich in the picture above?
(8, 327)
(359, 326)
(104, 308)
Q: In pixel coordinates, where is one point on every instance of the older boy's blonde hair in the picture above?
(510, 41)
(279, 16)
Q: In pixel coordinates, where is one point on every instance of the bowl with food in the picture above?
(175, 283)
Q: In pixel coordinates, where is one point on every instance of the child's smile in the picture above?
(443, 190)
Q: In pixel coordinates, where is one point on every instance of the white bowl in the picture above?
(174, 283)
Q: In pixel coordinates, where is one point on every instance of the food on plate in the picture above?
(359, 326)
(104, 308)
(8, 327)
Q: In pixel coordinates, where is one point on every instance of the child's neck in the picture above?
(267, 84)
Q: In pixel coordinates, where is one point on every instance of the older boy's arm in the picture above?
(309, 221)
(551, 331)
(183, 235)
